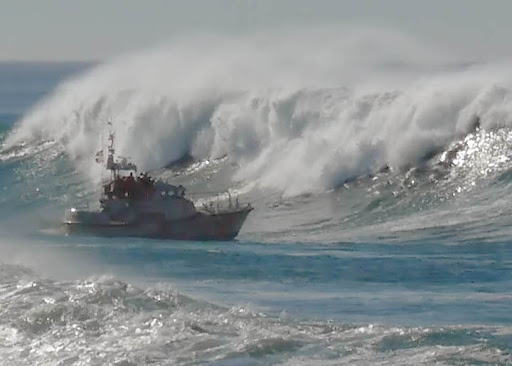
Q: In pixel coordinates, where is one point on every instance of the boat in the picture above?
(139, 206)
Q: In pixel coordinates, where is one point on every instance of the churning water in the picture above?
(381, 178)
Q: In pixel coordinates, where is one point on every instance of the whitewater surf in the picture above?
(380, 177)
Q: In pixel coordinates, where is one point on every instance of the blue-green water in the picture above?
(341, 262)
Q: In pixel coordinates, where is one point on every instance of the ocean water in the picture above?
(381, 181)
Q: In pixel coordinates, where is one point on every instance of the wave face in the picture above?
(380, 173)
(370, 123)
(297, 117)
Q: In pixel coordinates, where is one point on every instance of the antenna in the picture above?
(111, 137)
(102, 156)
(111, 165)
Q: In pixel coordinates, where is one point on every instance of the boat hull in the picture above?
(203, 226)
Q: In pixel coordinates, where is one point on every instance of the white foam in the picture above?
(298, 112)
(103, 320)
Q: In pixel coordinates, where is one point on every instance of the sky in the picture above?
(92, 30)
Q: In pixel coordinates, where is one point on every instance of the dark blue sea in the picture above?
(381, 233)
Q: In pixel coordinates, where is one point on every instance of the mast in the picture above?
(114, 166)
(111, 165)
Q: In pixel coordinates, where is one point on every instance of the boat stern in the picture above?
(75, 216)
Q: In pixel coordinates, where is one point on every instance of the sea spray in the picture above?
(295, 112)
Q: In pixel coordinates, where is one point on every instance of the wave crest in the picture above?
(287, 120)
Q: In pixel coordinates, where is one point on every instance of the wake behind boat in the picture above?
(141, 207)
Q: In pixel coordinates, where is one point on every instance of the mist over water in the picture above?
(378, 166)
(296, 112)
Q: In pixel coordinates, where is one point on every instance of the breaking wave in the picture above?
(410, 159)
(108, 321)
(295, 116)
